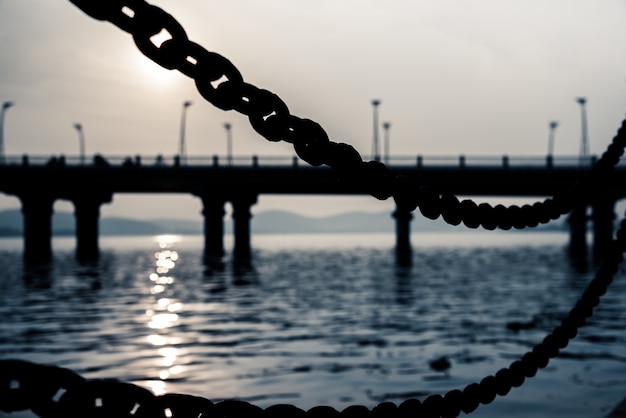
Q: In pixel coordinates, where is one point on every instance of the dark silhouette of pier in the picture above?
(39, 182)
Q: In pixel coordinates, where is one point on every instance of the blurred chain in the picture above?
(221, 83)
(53, 392)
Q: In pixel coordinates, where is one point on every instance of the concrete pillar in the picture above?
(37, 211)
(578, 232)
(241, 223)
(403, 236)
(87, 213)
(603, 216)
(213, 212)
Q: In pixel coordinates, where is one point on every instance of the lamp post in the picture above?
(553, 125)
(5, 106)
(375, 155)
(81, 142)
(229, 143)
(386, 126)
(182, 152)
(584, 139)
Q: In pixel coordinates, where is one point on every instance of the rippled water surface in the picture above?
(319, 319)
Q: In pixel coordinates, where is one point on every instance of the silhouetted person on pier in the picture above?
(100, 161)
(52, 162)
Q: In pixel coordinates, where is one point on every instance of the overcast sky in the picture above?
(481, 77)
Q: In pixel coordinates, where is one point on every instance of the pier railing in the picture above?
(285, 160)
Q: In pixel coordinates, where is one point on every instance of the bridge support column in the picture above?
(403, 236)
(37, 210)
(213, 212)
(87, 213)
(578, 232)
(241, 220)
(603, 216)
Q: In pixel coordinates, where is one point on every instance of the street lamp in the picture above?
(5, 106)
(386, 126)
(375, 156)
(553, 125)
(181, 150)
(81, 142)
(229, 143)
(584, 139)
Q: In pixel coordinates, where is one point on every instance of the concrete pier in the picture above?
(213, 212)
(578, 233)
(241, 223)
(37, 183)
(37, 209)
(603, 216)
(87, 213)
(404, 251)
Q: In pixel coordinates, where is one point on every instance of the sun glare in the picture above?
(153, 73)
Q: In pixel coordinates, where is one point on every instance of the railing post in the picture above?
(420, 161)
(295, 162)
(216, 161)
(505, 161)
(549, 161)
(255, 161)
(462, 161)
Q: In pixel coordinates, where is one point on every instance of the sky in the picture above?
(480, 78)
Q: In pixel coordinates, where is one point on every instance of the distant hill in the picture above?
(274, 221)
(63, 223)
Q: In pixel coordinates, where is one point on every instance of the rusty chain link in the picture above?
(221, 84)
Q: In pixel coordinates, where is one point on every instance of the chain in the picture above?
(221, 84)
(52, 392)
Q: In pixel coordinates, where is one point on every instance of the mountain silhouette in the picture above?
(273, 221)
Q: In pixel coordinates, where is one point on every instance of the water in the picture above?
(319, 319)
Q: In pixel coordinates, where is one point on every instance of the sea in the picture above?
(319, 319)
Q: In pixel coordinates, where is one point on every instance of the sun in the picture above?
(154, 73)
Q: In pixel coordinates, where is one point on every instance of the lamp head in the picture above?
(187, 103)
(7, 105)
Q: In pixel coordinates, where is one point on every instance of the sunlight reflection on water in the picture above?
(163, 316)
